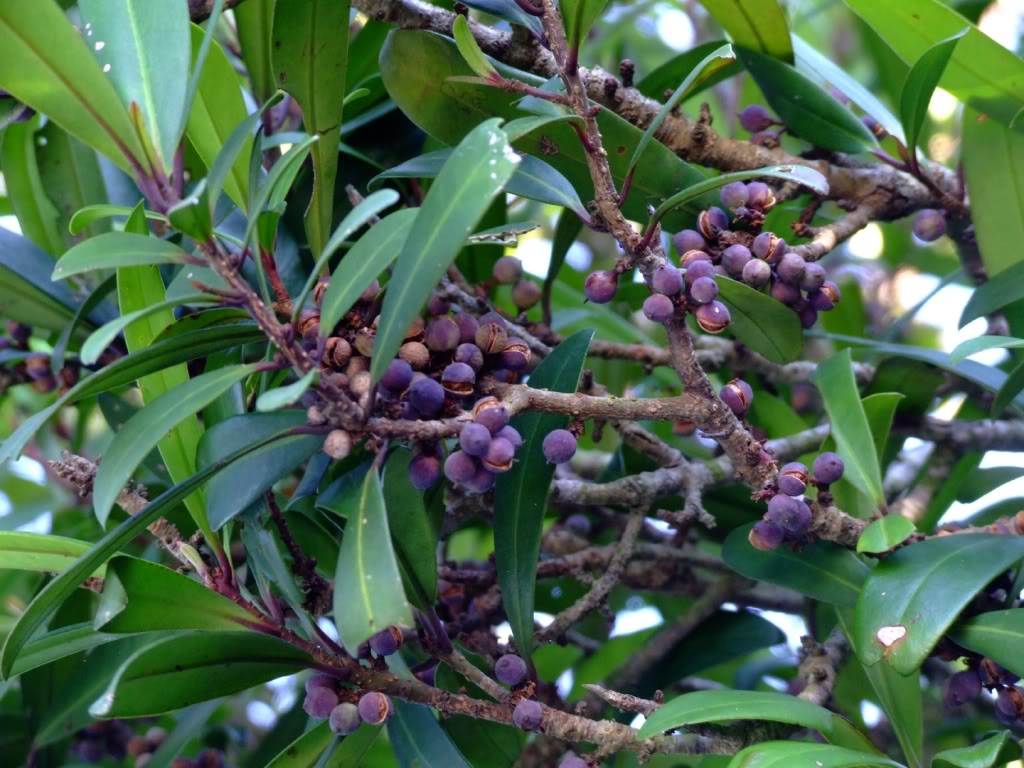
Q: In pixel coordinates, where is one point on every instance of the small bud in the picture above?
(510, 670)
(712, 222)
(793, 478)
(667, 280)
(579, 524)
(491, 338)
(688, 240)
(827, 468)
(769, 247)
(458, 378)
(756, 273)
(627, 70)
(704, 290)
(738, 395)
(442, 334)
(658, 308)
(387, 641)
(929, 225)
(600, 286)
(415, 354)
(765, 536)
(735, 258)
(559, 446)
(525, 294)
(344, 719)
(424, 471)
(459, 467)
(755, 118)
(475, 439)
(374, 708)
(528, 715)
(713, 317)
(338, 444)
(507, 270)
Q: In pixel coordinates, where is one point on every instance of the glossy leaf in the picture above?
(419, 740)
(662, 79)
(579, 16)
(808, 111)
(255, 23)
(369, 257)
(885, 534)
(994, 751)
(471, 178)
(140, 596)
(921, 83)
(58, 644)
(783, 754)
(521, 493)
(145, 429)
(997, 634)
(1009, 391)
(899, 618)
(282, 397)
(37, 215)
(835, 380)
(370, 595)
(42, 552)
(145, 49)
(90, 214)
(471, 52)
(47, 66)
(523, 126)
(185, 669)
(413, 532)
(981, 72)
(724, 705)
(244, 483)
(117, 249)
(822, 571)
(993, 295)
(767, 326)
(305, 751)
(965, 349)
(759, 25)
(187, 723)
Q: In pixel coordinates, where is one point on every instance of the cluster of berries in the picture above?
(966, 686)
(106, 738)
(789, 517)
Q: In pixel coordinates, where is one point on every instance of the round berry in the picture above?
(507, 270)
(712, 222)
(769, 247)
(765, 536)
(658, 308)
(787, 293)
(688, 240)
(438, 305)
(738, 395)
(344, 719)
(511, 434)
(374, 708)
(510, 670)
(338, 444)
(415, 353)
(756, 273)
(559, 446)
(321, 681)
(491, 337)
(827, 468)
(475, 439)
(459, 467)
(458, 378)
(962, 688)
(687, 259)
(791, 268)
(600, 286)
(426, 396)
(579, 524)
(467, 327)
(386, 642)
(698, 269)
(319, 702)
(713, 317)
(755, 118)
(808, 315)
(929, 225)
(424, 471)
(572, 761)
(793, 478)
(397, 377)
(528, 715)
(760, 196)
(499, 455)
(442, 335)
(491, 414)
(733, 195)
(667, 280)
(825, 298)
(481, 482)
(735, 258)
(813, 277)
(516, 356)
(525, 294)
(704, 289)
(471, 355)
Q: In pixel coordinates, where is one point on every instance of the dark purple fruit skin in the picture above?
(667, 280)
(733, 195)
(374, 708)
(703, 290)
(760, 195)
(527, 715)
(735, 258)
(500, 455)
(321, 681)
(481, 482)
(579, 524)
(658, 308)
(713, 317)
(757, 273)
(426, 396)
(791, 268)
(792, 515)
(471, 355)
(808, 315)
(442, 335)
(755, 118)
(319, 702)
(600, 286)
(765, 536)
(468, 326)
(424, 471)
(510, 670)
(345, 719)
(699, 269)
(793, 478)
(559, 446)
(386, 642)
(769, 247)
(525, 294)
(688, 240)
(459, 467)
(827, 468)
(712, 222)
(475, 439)
(516, 356)
(787, 293)
(507, 270)
(688, 259)
(929, 225)
(962, 688)
(397, 377)
(738, 395)
(458, 378)
(572, 761)
(512, 435)
(813, 277)
(494, 418)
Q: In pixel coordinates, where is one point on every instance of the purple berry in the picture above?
(735, 258)
(733, 195)
(491, 337)
(791, 268)
(559, 446)
(525, 294)
(713, 317)
(808, 315)
(738, 395)
(424, 471)
(667, 280)
(459, 467)
(658, 308)
(344, 719)
(572, 761)
(827, 468)
(458, 378)
(319, 702)
(437, 305)
(792, 515)
(690, 257)
(765, 536)
(813, 277)
(397, 377)
(475, 439)
(481, 482)
(510, 670)
(528, 715)
(507, 270)
(929, 225)
(756, 273)
(512, 435)
(769, 247)
(688, 240)
(712, 222)
(699, 269)
(374, 708)
(704, 289)
(386, 642)
(442, 335)
(787, 293)
(579, 524)
(600, 286)
(499, 455)
(471, 355)
(760, 196)
(755, 118)
(516, 355)
(793, 478)
(1008, 703)
(825, 298)
(493, 416)
(468, 326)
(426, 396)
(962, 688)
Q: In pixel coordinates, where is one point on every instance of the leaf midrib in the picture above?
(144, 71)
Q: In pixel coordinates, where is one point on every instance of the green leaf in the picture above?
(997, 634)
(46, 65)
(271, 193)
(42, 552)
(90, 214)
(144, 49)
(798, 174)
(981, 72)
(37, 216)
(579, 16)
(372, 598)
(1007, 393)
(282, 397)
(215, 125)
(140, 596)
(714, 62)
(718, 706)
(993, 295)
(822, 570)
(521, 493)
(359, 215)
(419, 740)
(765, 325)
(965, 349)
(655, 84)
(413, 532)
(192, 216)
(885, 534)
(567, 229)
(369, 257)
(310, 55)
(471, 52)
(244, 483)
(187, 724)
(920, 84)
(808, 111)
(306, 750)
(254, 21)
(784, 754)
(523, 126)
(146, 428)
(834, 379)
(759, 25)
(471, 178)
(117, 249)
(59, 589)
(59, 644)
(992, 155)
(899, 618)
(198, 666)
(994, 751)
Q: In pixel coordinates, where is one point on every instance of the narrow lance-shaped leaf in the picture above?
(993, 295)
(579, 16)
(885, 534)
(965, 349)
(921, 82)
(715, 706)
(784, 754)
(474, 174)
(117, 249)
(282, 397)
(997, 750)
(756, 24)
(413, 532)
(42, 552)
(471, 51)
(58, 644)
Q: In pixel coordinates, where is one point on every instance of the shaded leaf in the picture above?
(965, 349)
(413, 532)
(767, 326)
(58, 644)
(724, 705)
(920, 84)
(994, 751)
(419, 740)
(997, 634)
(993, 295)
(471, 52)
(282, 397)
(756, 24)
(885, 533)
(666, 76)
(579, 16)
